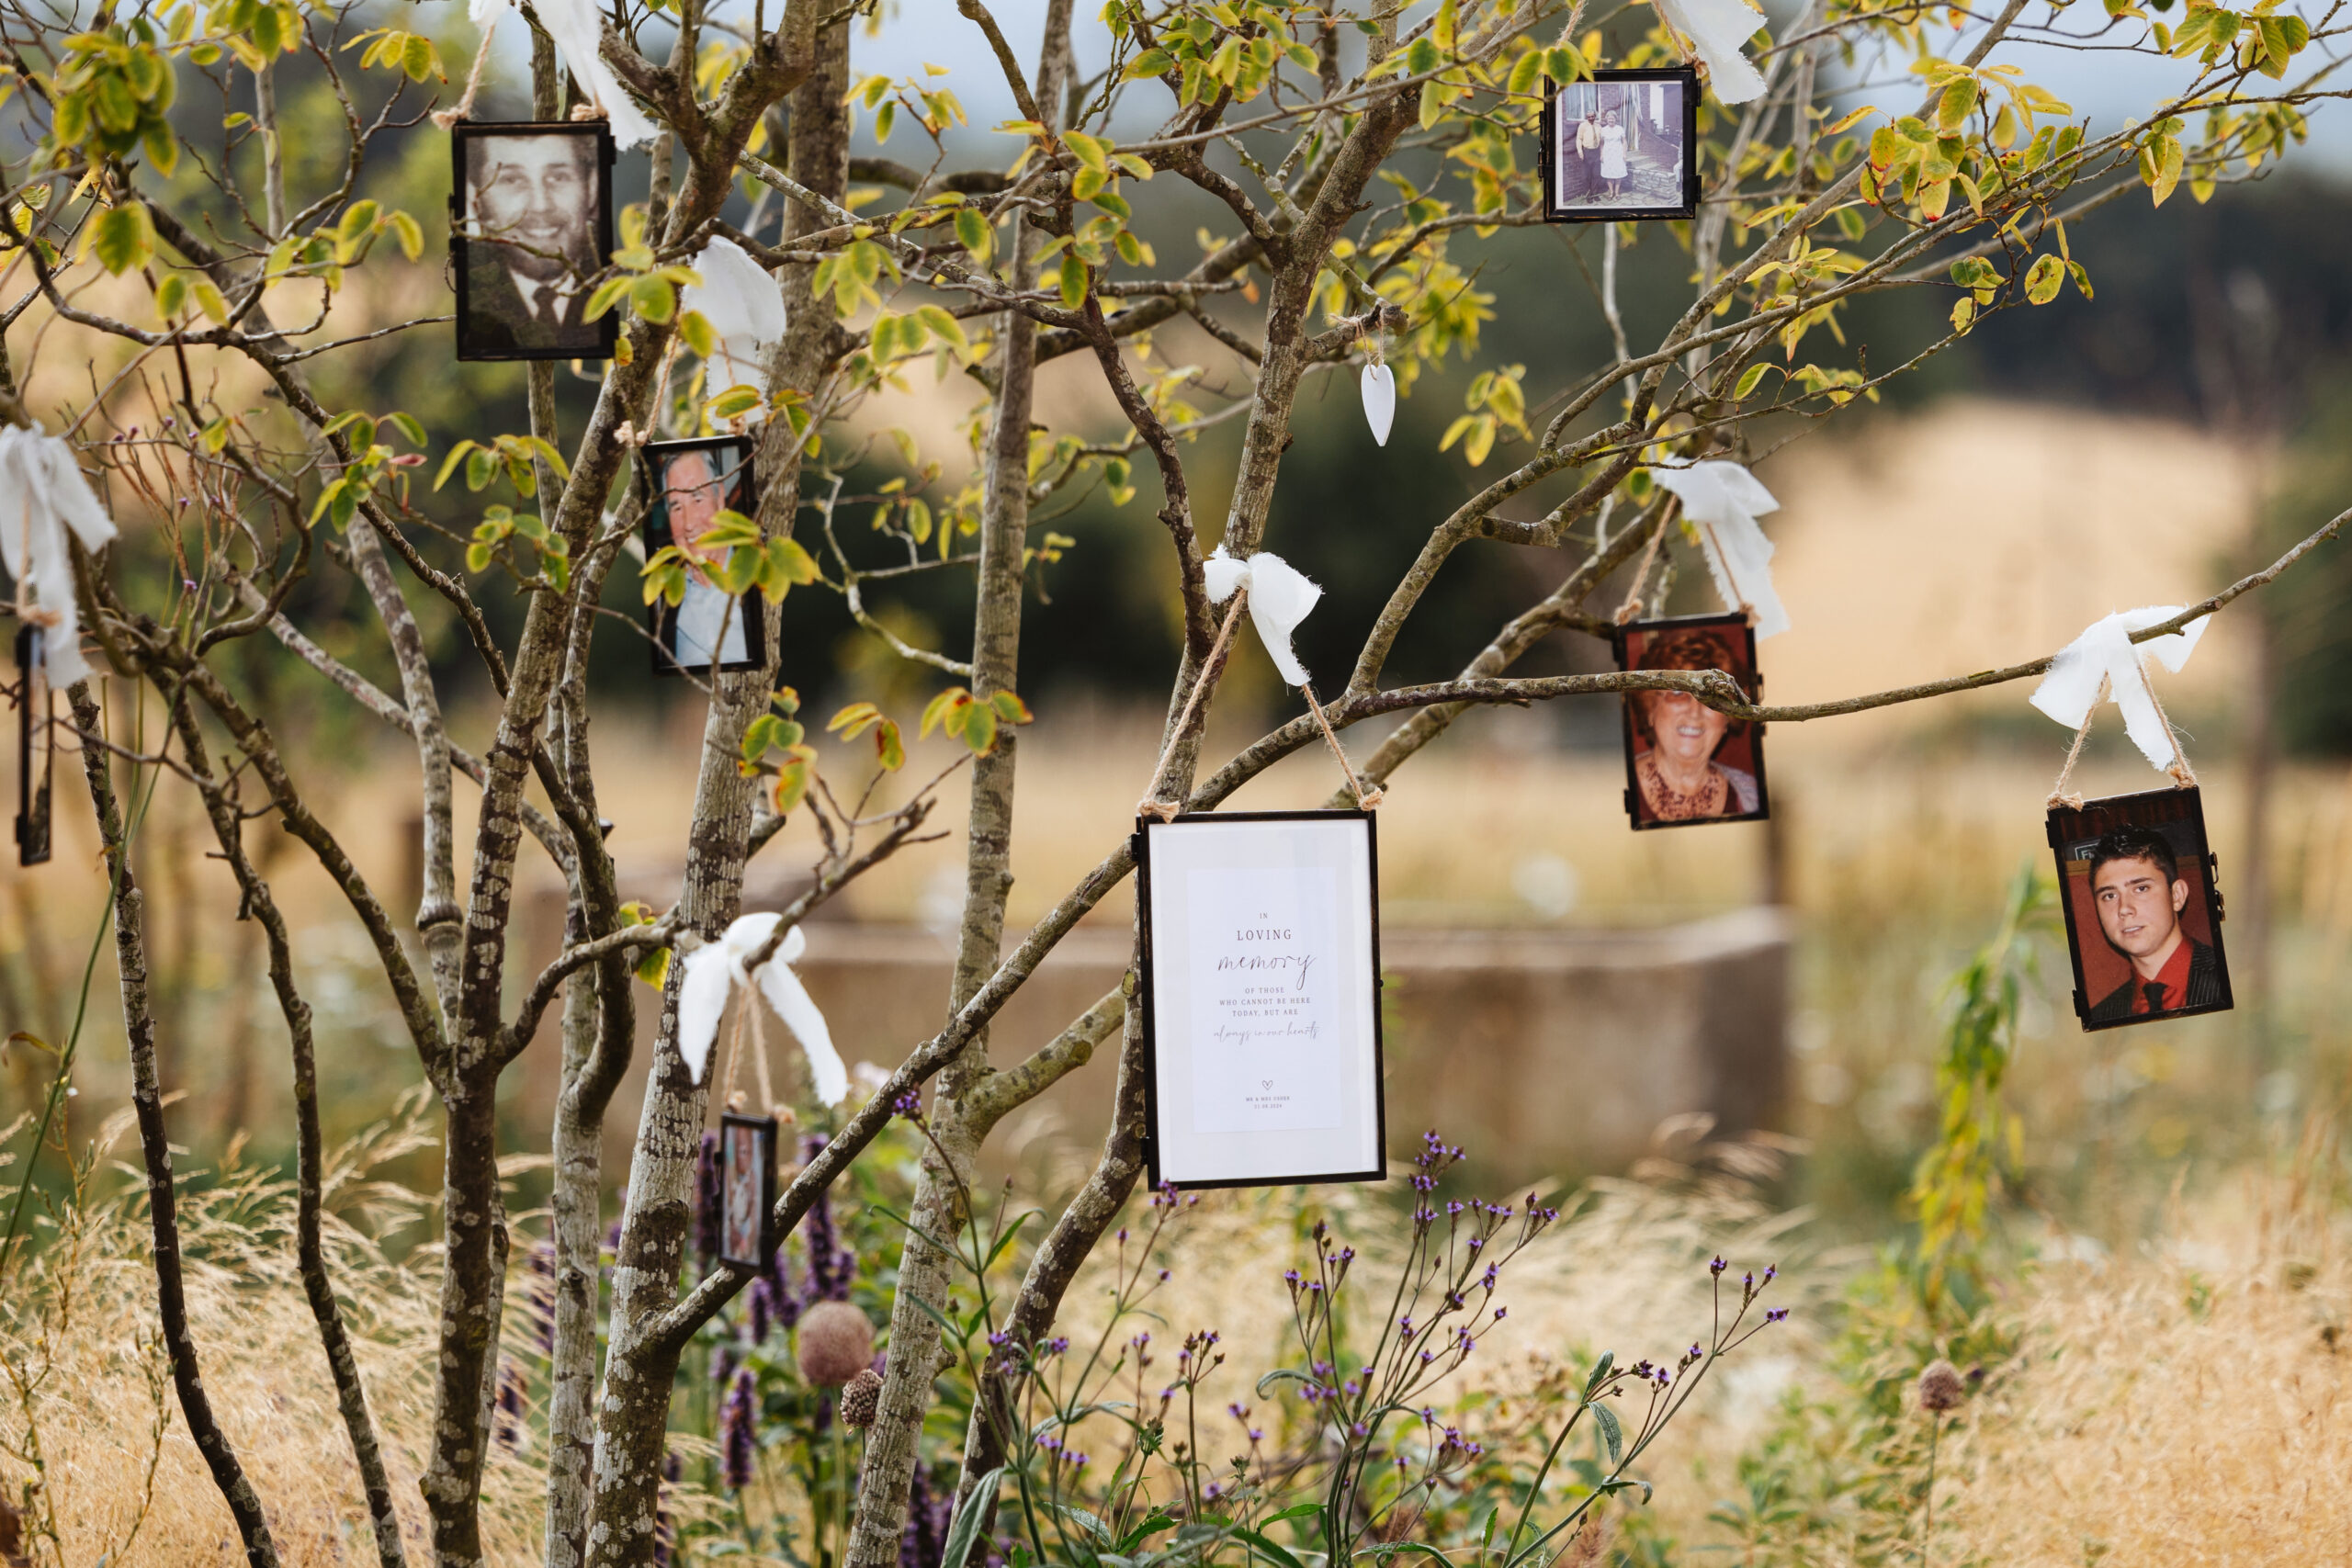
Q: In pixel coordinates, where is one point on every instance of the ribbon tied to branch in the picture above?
(1723, 501)
(577, 26)
(43, 495)
(1280, 597)
(716, 970)
(744, 307)
(1718, 30)
(2105, 661)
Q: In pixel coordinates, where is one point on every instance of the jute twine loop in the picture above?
(1631, 607)
(447, 118)
(1160, 811)
(1151, 804)
(747, 1013)
(2181, 774)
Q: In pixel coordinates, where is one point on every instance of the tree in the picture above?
(1365, 156)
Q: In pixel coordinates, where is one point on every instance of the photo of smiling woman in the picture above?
(2143, 918)
(1684, 761)
(533, 215)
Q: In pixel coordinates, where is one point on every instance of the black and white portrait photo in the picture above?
(2143, 919)
(534, 210)
(746, 1190)
(691, 483)
(1622, 146)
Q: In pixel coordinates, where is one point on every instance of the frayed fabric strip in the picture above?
(2104, 661)
(43, 496)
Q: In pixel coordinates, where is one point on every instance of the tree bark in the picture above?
(258, 905)
(943, 1183)
(632, 1415)
(156, 1145)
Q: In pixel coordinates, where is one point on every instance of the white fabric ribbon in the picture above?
(2106, 652)
(744, 307)
(1727, 499)
(578, 29)
(715, 969)
(1718, 29)
(43, 494)
(1280, 597)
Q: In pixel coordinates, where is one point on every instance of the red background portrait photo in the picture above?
(2177, 815)
(1724, 784)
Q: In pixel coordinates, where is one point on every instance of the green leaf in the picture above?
(2044, 278)
(695, 327)
(1073, 281)
(973, 231)
(171, 296)
(1151, 63)
(980, 729)
(1010, 708)
(964, 1531)
(1611, 1433)
(653, 299)
(409, 427)
(124, 238)
(1748, 380)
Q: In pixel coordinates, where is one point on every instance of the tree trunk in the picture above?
(155, 1145)
(942, 1183)
(632, 1415)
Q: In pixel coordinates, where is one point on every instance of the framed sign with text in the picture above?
(1260, 995)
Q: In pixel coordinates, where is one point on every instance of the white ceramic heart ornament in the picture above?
(1379, 401)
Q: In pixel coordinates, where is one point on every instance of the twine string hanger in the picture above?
(1160, 811)
(2182, 775)
(1723, 557)
(447, 118)
(1632, 604)
(747, 1015)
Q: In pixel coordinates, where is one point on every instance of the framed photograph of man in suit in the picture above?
(2143, 916)
(531, 210)
(688, 484)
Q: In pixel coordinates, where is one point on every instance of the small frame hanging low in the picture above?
(36, 747)
(747, 1159)
(2139, 884)
(1260, 996)
(1622, 146)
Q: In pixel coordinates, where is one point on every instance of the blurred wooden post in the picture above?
(1779, 852)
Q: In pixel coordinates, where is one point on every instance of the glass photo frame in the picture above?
(747, 1232)
(1685, 763)
(2137, 880)
(36, 747)
(531, 227)
(687, 485)
(1621, 145)
(1260, 996)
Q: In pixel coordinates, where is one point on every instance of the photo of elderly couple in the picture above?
(1619, 146)
(2144, 918)
(1685, 762)
(533, 212)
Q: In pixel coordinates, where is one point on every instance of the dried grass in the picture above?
(2189, 1408)
(82, 1380)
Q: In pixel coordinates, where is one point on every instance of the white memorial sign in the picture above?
(1262, 998)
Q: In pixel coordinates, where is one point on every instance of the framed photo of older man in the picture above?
(2143, 915)
(531, 210)
(1621, 145)
(1686, 764)
(690, 483)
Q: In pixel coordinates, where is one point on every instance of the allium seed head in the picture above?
(836, 1344)
(1940, 1388)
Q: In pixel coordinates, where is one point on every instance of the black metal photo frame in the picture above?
(36, 748)
(1168, 857)
(2105, 842)
(1574, 185)
(704, 614)
(504, 311)
(1738, 754)
(747, 1162)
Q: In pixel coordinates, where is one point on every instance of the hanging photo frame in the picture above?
(1621, 146)
(747, 1158)
(1687, 765)
(530, 231)
(688, 483)
(2137, 880)
(1260, 995)
(36, 747)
